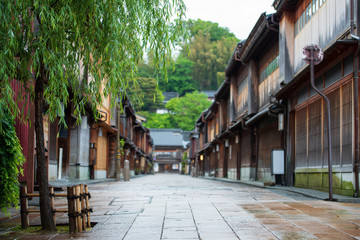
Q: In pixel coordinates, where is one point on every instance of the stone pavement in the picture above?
(171, 206)
(303, 191)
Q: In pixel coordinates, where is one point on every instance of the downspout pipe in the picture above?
(356, 92)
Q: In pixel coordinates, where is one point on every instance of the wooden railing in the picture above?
(78, 207)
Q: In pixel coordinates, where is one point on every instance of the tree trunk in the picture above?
(46, 216)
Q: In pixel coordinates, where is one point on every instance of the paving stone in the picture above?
(171, 206)
(178, 223)
(147, 236)
(179, 234)
(213, 236)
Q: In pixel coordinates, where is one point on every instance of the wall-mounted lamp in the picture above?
(217, 147)
(237, 139)
(281, 121)
(100, 133)
(226, 142)
(201, 157)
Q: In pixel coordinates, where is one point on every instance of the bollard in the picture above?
(127, 171)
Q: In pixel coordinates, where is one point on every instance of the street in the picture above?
(172, 206)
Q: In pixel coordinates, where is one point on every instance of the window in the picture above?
(269, 69)
(308, 13)
(315, 6)
(305, 17)
(268, 81)
(242, 95)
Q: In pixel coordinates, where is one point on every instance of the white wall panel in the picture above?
(324, 27)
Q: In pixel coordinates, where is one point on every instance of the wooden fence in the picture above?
(78, 206)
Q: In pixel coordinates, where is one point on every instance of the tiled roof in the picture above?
(209, 94)
(169, 95)
(167, 137)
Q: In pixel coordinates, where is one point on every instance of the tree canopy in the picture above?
(210, 48)
(183, 112)
(201, 62)
(79, 51)
(150, 97)
(180, 77)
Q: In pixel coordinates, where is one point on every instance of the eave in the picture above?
(264, 30)
(331, 55)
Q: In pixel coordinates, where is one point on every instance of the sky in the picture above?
(239, 16)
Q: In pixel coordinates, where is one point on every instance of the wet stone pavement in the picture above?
(171, 206)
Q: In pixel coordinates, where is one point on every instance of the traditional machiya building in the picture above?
(193, 149)
(215, 157)
(102, 140)
(136, 143)
(331, 25)
(200, 143)
(169, 147)
(260, 53)
(269, 125)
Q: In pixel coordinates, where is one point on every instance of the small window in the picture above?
(315, 6)
(303, 20)
(296, 27)
(308, 13)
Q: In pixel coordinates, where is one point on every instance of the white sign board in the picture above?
(277, 162)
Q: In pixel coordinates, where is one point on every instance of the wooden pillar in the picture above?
(71, 209)
(83, 209)
(78, 208)
(24, 207)
(87, 206)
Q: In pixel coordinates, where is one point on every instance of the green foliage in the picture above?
(83, 51)
(180, 78)
(209, 54)
(213, 30)
(98, 43)
(185, 110)
(151, 97)
(220, 77)
(184, 156)
(122, 144)
(11, 161)
(155, 120)
(200, 61)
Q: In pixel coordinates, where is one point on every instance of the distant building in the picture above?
(169, 146)
(210, 94)
(167, 97)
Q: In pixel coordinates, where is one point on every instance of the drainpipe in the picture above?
(356, 93)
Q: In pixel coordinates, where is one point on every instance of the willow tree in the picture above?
(46, 45)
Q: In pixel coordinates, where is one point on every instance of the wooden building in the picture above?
(267, 124)
(169, 147)
(331, 25)
(87, 150)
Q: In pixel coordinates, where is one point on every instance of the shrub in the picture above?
(11, 161)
